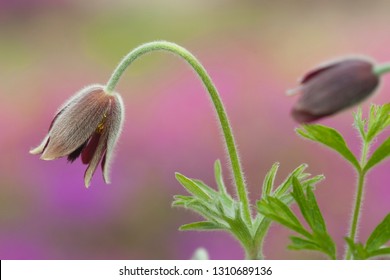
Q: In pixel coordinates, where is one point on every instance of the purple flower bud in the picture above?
(88, 124)
(333, 87)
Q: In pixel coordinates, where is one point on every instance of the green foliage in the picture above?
(375, 245)
(270, 179)
(381, 153)
(318, 238)
(197, 189)
(222, 212)
(380, 235)
(330, 138)
(376, 122)
(369, 129)
(219, 209)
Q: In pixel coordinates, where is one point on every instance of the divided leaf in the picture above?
(375, 242)
(330, 138)
(360, 123)
(218, 208)
(276, 209)
(302, 244)
(287, 183)
(380, 154)
(379, 119)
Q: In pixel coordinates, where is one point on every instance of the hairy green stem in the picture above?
(359, 197)
(215, 98)
(356, 211)
(382, 69)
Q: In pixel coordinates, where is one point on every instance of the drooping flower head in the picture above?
(333, 87)
(88, 124)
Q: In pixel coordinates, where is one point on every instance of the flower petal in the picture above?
(77, 122)
(114, 126)
(76, 153)
(90, 148)
(98, 150)
(41, 147)
(316, 71)
(97, 156)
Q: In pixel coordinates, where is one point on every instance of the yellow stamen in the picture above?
(100, 126)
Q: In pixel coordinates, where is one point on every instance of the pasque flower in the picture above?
(88, 124)
(333, 87)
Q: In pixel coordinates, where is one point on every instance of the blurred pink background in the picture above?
(253, 50)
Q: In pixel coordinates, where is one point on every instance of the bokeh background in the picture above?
(253, 50)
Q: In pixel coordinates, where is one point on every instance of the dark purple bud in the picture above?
(331, 88)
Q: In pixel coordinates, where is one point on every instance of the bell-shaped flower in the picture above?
(88, 124)
(333, 87)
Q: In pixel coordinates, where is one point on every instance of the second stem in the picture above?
(359, 196)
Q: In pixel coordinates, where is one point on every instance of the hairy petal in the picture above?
(97, 156)
(77, 122)
(98, 151)
(114, 127)
(76, 153)
(90, 148)
(39, 150)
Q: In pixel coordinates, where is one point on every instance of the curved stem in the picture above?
(215, 98)
(382, 69)
(359, 196)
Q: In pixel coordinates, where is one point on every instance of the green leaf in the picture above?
(287, 183)
(360, 123)
(306, 244)
(380, 235)
(270, 179)
(312, 181)
(318, 221)
(378, 120)
(325, 241)
(219, 177)
(312, 214)
(202, 225)
(192, 187)
(208, 211)
(208, 190)
(239, 228)
(182, 200)
(276, 210)
(302, 244)
(380, 252)
(300, 198)
(309, 207)
(330, 138)
(381, 153)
